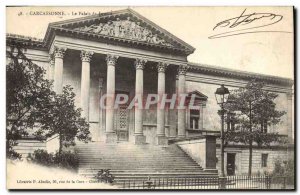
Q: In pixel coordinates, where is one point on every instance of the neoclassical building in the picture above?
(122, 52)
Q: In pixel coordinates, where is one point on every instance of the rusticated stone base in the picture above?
(161, 140)
(139, 139)
(111, 137)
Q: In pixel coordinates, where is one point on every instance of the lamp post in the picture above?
(222, 94)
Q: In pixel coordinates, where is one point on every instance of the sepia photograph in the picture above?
(150, 98)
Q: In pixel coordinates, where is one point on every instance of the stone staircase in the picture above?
(129, 162)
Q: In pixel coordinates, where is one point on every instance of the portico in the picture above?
(136, 85)
(110, 47)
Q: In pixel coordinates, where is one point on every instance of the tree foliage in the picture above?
(65, 159)
(32, 104)
(61, 118)
(27, 91)
(254, 110)
(260, 138)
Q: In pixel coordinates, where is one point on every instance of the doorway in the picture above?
(231, 163)
(121, 119)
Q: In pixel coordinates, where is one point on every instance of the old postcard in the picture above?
(150, 98)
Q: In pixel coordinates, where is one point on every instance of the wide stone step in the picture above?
(152, 174)
(137, 163)
(132, 172)
(111, 161)
(146, 177)
(130, 153)
(152, 168)
(132, 166)
(153, 158)
(141, 170)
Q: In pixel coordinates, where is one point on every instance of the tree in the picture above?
(27, 91)
(255, 110)
(31, 103)
(61, 118)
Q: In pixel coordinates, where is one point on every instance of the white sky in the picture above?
(267, 53)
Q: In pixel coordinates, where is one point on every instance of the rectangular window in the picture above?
(264, 160)
(194, 119)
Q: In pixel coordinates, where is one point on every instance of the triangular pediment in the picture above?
(125, 26)
(198, 95)
(124, 29)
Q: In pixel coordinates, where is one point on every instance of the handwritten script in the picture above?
(246, 24)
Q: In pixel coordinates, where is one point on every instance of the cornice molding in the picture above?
(25, 41)
(235, 74)
(132, 53)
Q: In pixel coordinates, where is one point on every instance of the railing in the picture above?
(201, 183)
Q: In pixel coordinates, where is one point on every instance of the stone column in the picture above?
(101, 114)
(51, 68)
(181, 91)
(173, 111)
(161, 137)
(86, 57)
(139, 90)
(111, 135)
(58, 69)
(290, 116)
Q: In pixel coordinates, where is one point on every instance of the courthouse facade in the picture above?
(122, 52)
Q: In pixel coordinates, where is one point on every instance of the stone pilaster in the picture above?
(58, 68)
(111, 61)
(86, 57)
(201, 117)
(139, 90)
(181, 91)
(161, 137)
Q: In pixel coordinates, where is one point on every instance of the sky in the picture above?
(270, 52)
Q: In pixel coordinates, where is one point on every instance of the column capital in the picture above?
(162, 66)
(59, 52)
(140, 63)
(111, 60)
(86, 56)
(51, 60)
(182, 69)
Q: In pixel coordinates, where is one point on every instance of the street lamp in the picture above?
(222, 94)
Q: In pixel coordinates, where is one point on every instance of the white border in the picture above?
(5, 3)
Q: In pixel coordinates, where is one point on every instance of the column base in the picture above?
(161, 140)
(111, 137)
(139, 139)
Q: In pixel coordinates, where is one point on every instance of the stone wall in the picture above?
(28, 146)
(202, 150)
(208, 86)
(242, 158)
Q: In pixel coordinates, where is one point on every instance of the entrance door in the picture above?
(121, 122)
(230, 163)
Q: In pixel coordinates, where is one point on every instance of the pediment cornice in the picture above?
(123, 27)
